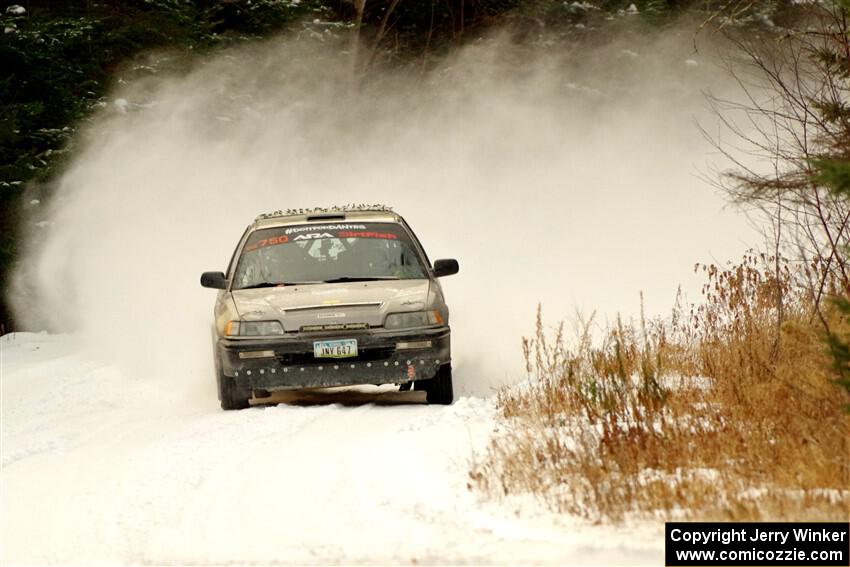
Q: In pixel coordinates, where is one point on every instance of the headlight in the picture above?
(253, 328)
(413, 319)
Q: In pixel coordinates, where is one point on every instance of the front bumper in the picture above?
(293, 366)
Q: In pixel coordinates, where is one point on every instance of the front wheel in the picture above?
(232, 396)
(438, 390)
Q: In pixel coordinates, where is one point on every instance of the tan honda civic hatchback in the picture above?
(330, 298)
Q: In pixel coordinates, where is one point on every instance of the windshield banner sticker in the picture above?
(318, 227)
(267, 242)
(385, 235)
(284, 235)
(313, 236)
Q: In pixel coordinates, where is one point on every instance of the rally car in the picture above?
(330, 297)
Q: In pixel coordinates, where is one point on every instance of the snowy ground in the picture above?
(101, 468)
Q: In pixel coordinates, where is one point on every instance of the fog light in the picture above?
(257, 354)
(412, 345)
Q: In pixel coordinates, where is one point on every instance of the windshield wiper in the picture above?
(276, 284)
(361, 279)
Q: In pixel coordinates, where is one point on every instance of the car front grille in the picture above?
(334, 327)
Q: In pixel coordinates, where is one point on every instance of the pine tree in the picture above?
(835, 174)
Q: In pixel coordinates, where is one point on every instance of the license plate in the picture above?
(344, 348)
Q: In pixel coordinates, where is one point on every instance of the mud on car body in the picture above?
(330, 298)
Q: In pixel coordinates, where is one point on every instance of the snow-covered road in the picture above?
(101, 468)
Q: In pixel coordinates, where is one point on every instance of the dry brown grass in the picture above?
(724, 411)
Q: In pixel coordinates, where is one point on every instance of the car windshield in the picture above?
(314, 253)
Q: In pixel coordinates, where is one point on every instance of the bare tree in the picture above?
(794, 117)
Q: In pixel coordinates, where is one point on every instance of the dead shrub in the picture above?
(726, 410)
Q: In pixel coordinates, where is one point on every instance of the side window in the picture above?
(232, 264)
(417, 244)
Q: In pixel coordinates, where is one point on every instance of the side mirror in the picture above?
(445, 268)
(215, 280)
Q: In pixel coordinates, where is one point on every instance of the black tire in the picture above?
(438, 390)
(232, 397)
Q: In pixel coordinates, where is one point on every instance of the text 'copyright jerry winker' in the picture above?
(695, 544)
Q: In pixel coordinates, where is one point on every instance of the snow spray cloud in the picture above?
(563, 179)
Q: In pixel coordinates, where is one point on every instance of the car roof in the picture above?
(376, 213)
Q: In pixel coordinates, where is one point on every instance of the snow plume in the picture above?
(564, 178)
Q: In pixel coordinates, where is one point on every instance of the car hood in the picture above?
(348, 303)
